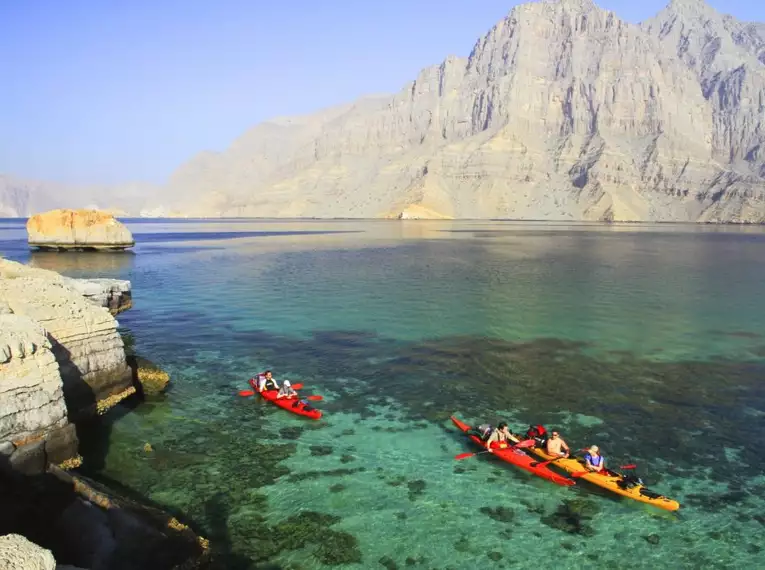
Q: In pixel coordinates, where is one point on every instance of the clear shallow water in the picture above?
(646, 340)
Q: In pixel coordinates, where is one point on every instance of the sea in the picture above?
(647, 340)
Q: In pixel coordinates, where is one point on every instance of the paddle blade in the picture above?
(315, 398)
(297, 386)
(630, 466)
(525, 443)
(463, 456)
(246, 392)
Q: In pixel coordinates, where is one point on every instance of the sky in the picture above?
(95, 91)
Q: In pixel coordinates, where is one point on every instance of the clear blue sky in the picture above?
(109, 90)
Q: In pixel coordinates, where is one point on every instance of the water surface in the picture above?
(647, 340)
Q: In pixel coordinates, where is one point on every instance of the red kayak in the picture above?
(293, 404)
(518, 458)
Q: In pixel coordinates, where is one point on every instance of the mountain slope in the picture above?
(561, 111)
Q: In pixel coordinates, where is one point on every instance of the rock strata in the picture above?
(83, 337)
(79, 230)
(34, 429)
(561, 111)
(114, 294)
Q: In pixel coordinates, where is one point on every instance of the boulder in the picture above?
(17, 553)
(78, 229)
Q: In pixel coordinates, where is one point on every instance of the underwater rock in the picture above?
(321, 450)
(572, 517)
(416, 488)
(91, 527)
(151, 378)
(347, 458)
(388, 563)
(652, 539)
(494, 555)
(337, 488)
(77, 230)
(500, 514)
(308, 475)
(18, 553)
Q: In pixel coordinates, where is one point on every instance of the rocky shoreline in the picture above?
(63, 362)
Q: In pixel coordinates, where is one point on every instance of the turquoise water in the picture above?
(647, 340)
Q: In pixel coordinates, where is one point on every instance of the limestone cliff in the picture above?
(561, 111)
(83, 336)
(34, 429)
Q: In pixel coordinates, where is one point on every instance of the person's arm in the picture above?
(565, 448)
(492, 439)
(588, 462)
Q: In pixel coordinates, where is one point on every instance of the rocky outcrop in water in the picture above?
(78, 229)
(83, 337)
(85, 525)
(34, 429)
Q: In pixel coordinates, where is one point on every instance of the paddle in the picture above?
(520, 444)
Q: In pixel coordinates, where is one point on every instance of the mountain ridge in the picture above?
(561, 111)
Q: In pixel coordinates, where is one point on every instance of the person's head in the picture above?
(287, 384)
(554, 434)
(502, 426)
(594, 449)
(268, 374)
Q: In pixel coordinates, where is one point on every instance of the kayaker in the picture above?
(593, 460)
(538, 433)
(499, 437)
(286, 391)
(557, 446)
(266, 381)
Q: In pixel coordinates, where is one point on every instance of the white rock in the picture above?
(18, 553)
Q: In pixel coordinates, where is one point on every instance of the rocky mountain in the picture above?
(561, 111)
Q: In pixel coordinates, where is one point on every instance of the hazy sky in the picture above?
(110, 91)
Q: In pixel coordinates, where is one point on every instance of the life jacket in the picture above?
(269, 384)
(538, 433)
(596, 462)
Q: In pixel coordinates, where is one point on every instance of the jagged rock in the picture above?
(83, 337)
(18, 553)
(33, 417)
(78, 229)
(561, 111)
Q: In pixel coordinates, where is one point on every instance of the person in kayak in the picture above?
(499, 437)
(557, 446)
(593, 460)
(286, 391)
(538, 433)
(266, 381)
